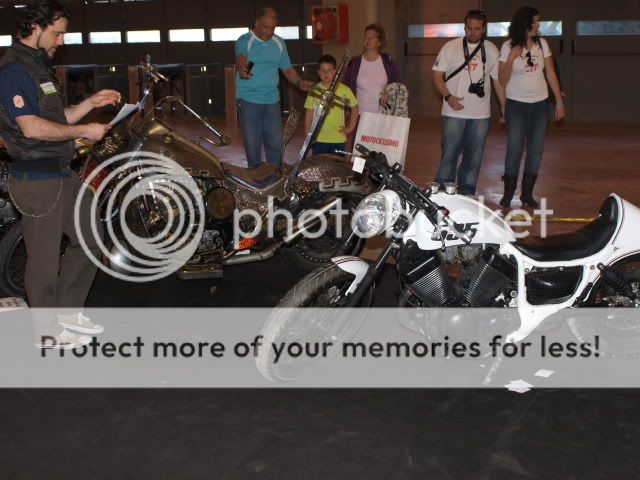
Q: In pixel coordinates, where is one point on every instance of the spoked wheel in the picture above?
(311, 253)
(603, 295)
(13, 262)
(325, 287)
(321, 321)
(618, 323)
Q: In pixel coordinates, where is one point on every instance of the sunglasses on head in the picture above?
(529, 59)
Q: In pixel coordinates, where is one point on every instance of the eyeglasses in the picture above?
(529, 59)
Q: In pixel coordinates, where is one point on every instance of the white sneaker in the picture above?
(79, 323)
(64, 341)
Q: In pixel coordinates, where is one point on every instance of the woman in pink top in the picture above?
(369, 73)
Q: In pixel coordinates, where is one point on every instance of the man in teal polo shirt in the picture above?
(259, 55)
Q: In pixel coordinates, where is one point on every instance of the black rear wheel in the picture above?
(311, 253)
(13, 262)
(603, 295)
(616, 317)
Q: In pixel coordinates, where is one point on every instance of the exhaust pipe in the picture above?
(266, 254)
(298, 229)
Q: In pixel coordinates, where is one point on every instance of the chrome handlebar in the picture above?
(222, 138)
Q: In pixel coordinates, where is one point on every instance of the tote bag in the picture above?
(384, 133)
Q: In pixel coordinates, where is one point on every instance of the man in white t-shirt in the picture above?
(466, 101)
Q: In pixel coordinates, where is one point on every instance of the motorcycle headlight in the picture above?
(377, 212)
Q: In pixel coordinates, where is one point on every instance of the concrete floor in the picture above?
(317, 434)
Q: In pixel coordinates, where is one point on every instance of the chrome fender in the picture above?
(354, 265)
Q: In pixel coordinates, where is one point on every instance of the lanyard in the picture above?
(467, 59)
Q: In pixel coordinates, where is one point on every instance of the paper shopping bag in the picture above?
(384, 133)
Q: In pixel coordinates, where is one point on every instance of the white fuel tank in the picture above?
(465, 211)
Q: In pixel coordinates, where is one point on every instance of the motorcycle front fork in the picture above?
(370, 277)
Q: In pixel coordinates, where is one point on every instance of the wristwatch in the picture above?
(446, 97)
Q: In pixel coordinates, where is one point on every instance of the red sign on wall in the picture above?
(330, 24)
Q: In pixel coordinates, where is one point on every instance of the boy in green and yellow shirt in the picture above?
(333, 132)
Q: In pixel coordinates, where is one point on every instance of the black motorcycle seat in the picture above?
(258, 177)
(582, 243)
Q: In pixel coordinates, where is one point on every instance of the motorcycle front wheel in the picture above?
(307, 315)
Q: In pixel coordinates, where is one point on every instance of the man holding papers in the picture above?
(39, 133)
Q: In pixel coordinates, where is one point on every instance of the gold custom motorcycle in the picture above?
(308, 190)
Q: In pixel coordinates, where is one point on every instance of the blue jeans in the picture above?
(319, 148)
(526, 125)
(466, 136)
(261, 124)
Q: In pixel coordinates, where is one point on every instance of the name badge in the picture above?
(48, 88)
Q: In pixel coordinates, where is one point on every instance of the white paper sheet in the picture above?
(519, 390)
(519, 386)
(124, 112)
(358, 164)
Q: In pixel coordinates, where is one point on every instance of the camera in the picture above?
(477, 88)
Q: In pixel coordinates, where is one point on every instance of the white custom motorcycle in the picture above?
(453, 251)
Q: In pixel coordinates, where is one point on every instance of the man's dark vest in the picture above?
(28, 154)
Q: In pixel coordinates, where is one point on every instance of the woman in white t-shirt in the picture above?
(525, 60)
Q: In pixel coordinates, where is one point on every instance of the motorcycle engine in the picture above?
(148, 216)
(491, 275)
(483, 275)
(113, 143)
(424, 274)
(211, 240)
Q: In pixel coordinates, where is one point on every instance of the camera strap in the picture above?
(467, 57)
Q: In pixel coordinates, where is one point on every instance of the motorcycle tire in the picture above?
(13, 262)
(309, 254)
(321, 291)
(619, 333)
